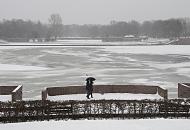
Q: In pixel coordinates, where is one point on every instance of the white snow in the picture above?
(103, 59)
(115, 96)
(166, 66)
(160, 50)
(129, 36)
(5, 67)
(3, 42)
(17, 88)
(111, 65)
(141, 80)
(142, 124)
(5, 98)
(184, 71)
(72, 53)
(72, 42)
(146, 124)
(157, 41)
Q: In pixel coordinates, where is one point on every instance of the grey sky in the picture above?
(94, 11)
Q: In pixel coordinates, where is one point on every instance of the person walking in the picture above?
(89, 87)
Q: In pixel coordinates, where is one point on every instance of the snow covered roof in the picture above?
(129, 36)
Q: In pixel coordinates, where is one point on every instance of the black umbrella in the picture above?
(90, 79)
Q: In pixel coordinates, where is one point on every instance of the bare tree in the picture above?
(56, 26)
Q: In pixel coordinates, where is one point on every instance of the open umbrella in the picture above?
(90, 79)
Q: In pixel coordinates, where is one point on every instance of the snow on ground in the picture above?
(163, 65)
(110, 65)
(107, 96)
(142, 124)
(5, 67)
(161, 49)
(166, 66)
(5, 98)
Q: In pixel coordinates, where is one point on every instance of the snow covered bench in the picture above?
(110, 92)
(10, 93)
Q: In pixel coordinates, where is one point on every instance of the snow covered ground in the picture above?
(143, 124)
(39, 67)
(108, 96)
(8, 67)
(5, 98)
(160, 50)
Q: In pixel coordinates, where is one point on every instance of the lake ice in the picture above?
(39, 67)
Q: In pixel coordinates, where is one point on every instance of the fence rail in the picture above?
(23, 111)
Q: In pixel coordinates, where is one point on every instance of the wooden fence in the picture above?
(24, 111)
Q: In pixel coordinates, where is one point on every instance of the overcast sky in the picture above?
(94, 11)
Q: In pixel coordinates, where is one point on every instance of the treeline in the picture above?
(170, 28)
(18, 28)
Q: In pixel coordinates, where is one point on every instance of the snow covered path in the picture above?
(107, 96)
(143, 124)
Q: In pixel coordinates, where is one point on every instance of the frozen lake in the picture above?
(39, 67)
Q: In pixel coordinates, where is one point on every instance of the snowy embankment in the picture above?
(143, 124)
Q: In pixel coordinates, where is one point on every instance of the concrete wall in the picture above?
(136, 89)
(125, 89)
(44, 94)
(183, 90)
(163, 92)
(6, 90)
(15, 91)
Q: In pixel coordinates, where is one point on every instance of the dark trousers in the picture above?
(89, 93)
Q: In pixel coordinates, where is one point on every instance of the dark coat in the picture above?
(89, 86)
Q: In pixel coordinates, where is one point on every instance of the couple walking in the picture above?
(89, 86)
